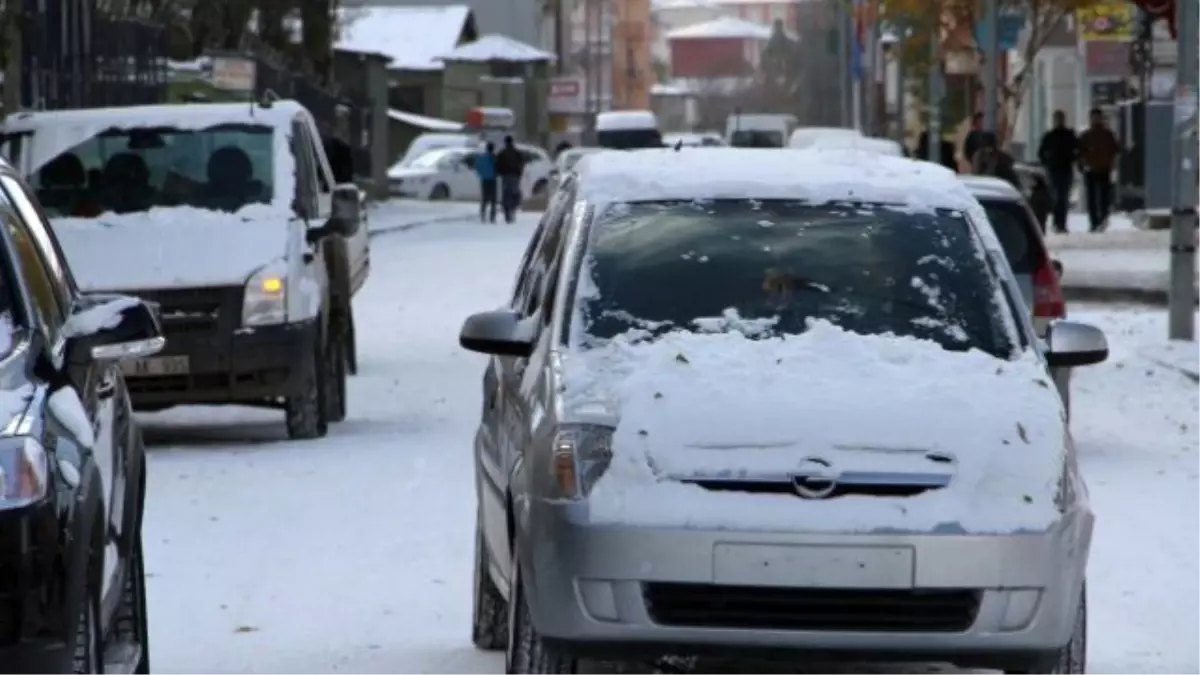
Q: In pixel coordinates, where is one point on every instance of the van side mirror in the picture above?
(345, 217)
(1071, 344)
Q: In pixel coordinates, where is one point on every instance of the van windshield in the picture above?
(629, 139)
(756, 138)
(223, 167)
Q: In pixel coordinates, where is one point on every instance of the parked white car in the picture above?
(448, 173)
(807, 137)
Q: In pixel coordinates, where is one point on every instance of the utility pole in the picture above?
(991, 59)
(845, 76)
(934, 144)
(1182, 293)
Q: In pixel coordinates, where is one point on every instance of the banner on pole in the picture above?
(1010, 22)
(1108, 20)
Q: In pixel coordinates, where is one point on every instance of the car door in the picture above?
(464, 182)
(306, 261)
(357, 245)
(45, 274)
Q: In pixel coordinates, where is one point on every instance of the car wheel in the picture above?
(1072, 658)
(351, 346)
(439, 193)
(489, 621)
(131, 624)
(335, 376)
(527, 652)
(305, 409)
(89, 644)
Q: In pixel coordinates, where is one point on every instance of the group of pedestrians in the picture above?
(500, 177)
(1094, 153)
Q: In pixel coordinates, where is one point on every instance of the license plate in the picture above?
(814, 566)
(156, 366)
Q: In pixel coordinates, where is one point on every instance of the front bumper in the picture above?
(226, 362)
(642, 592)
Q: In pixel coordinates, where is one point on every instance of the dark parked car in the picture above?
(72, 464)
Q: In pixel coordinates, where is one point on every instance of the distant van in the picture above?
(758, 130)
(806, 137)
(628, 130)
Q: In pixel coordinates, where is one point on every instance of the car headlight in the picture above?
(579, 456)
(265, 299)
(23, 472)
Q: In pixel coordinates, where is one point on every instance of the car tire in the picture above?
(439, 193)
(1072, 657)
(335, 376)
(526, 651)
(351, 345)
(305, 410)
(489, 620)
(88, 653)
(131, 624)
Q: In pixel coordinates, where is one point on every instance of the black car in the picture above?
(72, 463)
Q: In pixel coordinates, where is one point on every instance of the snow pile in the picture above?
(172, 247)
(68, 410)
(725, 27)
(723, 405)
(92, 320)
(412, 37)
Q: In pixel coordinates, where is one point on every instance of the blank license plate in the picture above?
(814, 566)
(161, 365)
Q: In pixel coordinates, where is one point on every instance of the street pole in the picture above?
(934, 145)
(991, 61)
(845, 76)
(1182, 293)
(901, 93)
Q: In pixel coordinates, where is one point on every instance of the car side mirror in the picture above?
(346, 209)
(111, 327)
(499, 333)
(1071, 344)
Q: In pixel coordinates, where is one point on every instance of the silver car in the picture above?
(599, 537)
(1036, 272)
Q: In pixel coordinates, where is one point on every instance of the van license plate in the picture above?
(157, 366)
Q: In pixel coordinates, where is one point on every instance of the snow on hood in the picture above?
(172, 247)
(724, 405)
(410, 172)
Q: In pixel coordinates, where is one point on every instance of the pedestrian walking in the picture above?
(1098, 153)
(976, 138)
(1059, 153)
(945, 152)
(990, 160)
(485, 168)
(509, 167)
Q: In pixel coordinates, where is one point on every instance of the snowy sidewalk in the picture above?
(1120, 264)
(1177, 355)
(397, 215)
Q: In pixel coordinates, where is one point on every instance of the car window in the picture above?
(542, 251)
(43, 236)
(1015, 227)
(305, 204)
(34, 272)
(316, 153)
(750, 138)
(128, 170)
(660, 266)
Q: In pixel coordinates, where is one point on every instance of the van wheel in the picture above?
(335, 377)
(439, 193)
(489, 621)
(351, 345)
(1072, 657)
(305, 410)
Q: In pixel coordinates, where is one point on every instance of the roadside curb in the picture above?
(375, 232)
(1110, 294)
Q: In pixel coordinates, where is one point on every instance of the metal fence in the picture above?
(73, 56)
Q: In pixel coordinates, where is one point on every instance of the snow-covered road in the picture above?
(353, 553)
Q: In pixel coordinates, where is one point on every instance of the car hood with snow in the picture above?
(693, 407)
(410, 172)
(170, 247)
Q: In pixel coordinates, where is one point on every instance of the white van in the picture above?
(758, 130)
(806, 137)
(627, 130)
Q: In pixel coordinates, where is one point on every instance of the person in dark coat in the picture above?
(947, 152)
(509, 167)
(1058, 153)
(485, 168)
(990, 160)
(976, 138)
(1098, 153)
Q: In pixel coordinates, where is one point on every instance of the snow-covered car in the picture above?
(791, 402)
(882, 146)
(433, 141)
(566, 161)
(448, 173)
(807, 137)
(229, 218)
(694, 140)
(72, 476)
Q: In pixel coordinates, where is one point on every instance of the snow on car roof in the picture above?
(990, 186)
(623, 120)
(730, 173)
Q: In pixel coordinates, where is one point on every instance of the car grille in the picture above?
(189, 311)
(810, 609)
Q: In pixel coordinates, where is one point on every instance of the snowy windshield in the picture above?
(222, 167)
(433, 158)
(769, 267)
